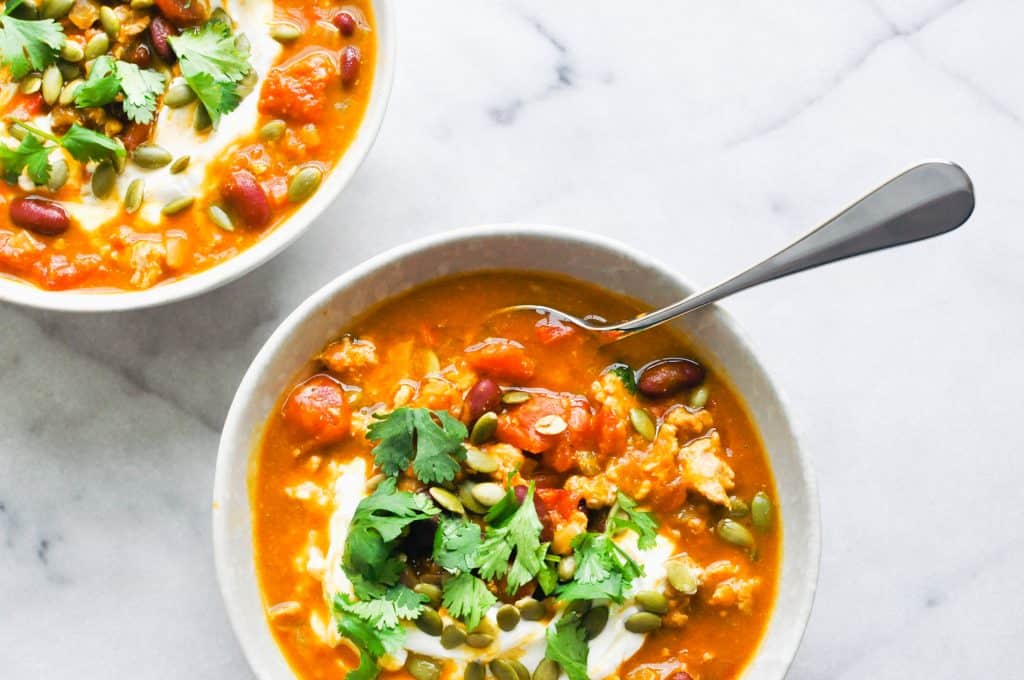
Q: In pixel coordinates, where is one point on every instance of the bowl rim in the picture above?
(28, 295)
(231, 435)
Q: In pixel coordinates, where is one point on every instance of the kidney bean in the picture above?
(247, 198)
(521, 491)
(482, 397)
(680, 675)
(136, 134)
(41, 215)
(668, 376)
(140, 55)
(350, 62)
(184, 12)
(159, 31)
(345, 23)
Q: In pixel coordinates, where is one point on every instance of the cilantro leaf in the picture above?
(641, 522)
(412, 435)
(518, 533)
(394, 604)
(371, 642)
(31, 154)
(455, 543)
(212, 65)
(141, 88)
(102, 86)
(626, 375)
(216, 96)
(603, 570)
(467, 598)
(86, 145)
(28, 45)
(567, 645)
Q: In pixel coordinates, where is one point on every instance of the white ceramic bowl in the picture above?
(84, 301)
(550, 249)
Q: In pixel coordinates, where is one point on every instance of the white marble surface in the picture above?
(707, 132)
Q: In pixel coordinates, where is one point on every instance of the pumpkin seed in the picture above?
(447, 500)
(178, 205)
(141, 4)
(521, 672)
(643, 622)
(530, 609)
(67, 95)
(652, 601)
(432, 579)
(58, 175)
(304, 183)
(452, 636)
(508, 617)
(422, 668)
(488, 493)
(683, 575)
(480, 461)
(247, 84)
(55, 9)
(273, 130)
(180, 165)
(243, 43)
(501, 669)
(515, 397)
(642, 423)
(26, 10)
(700, 397)
(201, 121)
(595, 621)
(285, 32)
(97, 45)
(72, 51)
(16, 131)
(579, 607)
(109, 21)
(69, 71)
(373, 482)
(103, 179)
(567, 568)
(547, 669)
(761, 511)
(133, 195)
(220, 15)
(550, 425)
(475, 671)
(738, 507)
(429, 591)
(220, 218)
(479, 640)
(484, 428)
(179, 94)
(30, 84)
(468, 502)
(735, 533)
(151, 156)
(429, 621)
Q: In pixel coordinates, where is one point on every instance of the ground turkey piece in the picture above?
(297, 90)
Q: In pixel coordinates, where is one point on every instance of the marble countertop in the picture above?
(707, 133)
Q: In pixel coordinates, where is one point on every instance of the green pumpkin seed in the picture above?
(530, 609)
(508, 617)
(595, 621)
(58, 175)
(179, 95)
(67, 95)
(16, 131)
(151, 156)
(429, 621)
(479, 461)
(484, 428)
(429, 591)
(304, 183)
(738, 507)
(285, 32)
(643, 622)
(547, 670)
(447, 500)
(432, 579)
(422, 668)
(452, 636)
(178, 205)
(521, 672)
(141, 4)
(475, 671)
(567, 568)
(700, 397)
(220, 218)
(26, 10)
(69, 71)
(761, 511)
(273, 130)
(120, 160)
(479, 640)
(579, 607)
(30, 84)
(488, 493)
(468, 502)
(201, 121)
(652, 601)
(642, 423)
(72, 51)
(220, 15)
(683, 575)
(242, 42)
(180, 165)
(735, 533)
(109, 21)
(51, 84)
(501, 669)
(103, 179)
(247, 84)
(133, 195)
(55, 9)
(514, 397)
(97, 45)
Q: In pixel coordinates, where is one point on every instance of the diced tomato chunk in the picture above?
(559, 502)
(502, 359)
(28, 106)
(318, 409)
(60, 273)
(551, 329)
(298, 90)
(19, 251)
(518, 427)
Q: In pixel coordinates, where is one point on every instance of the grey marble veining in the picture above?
(706, 133)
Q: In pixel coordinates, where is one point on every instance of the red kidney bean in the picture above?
(41, 215)
(140, 55)
(350, 62)
(246, 198)
(184, 12)
(136, 134)
(345, 23)
(482, 397)
(521, 494)
(668, 376)
(159, 31)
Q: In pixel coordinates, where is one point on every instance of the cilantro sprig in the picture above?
(429, 440)
(372, 643)
(567, 645)
(33, 153)
(515, 533)
(467, 598)
(456, 543)
(643, 523)
(28, 44)
(213, 65)
(109, 77)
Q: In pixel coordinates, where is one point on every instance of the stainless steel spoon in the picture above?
(927, 200)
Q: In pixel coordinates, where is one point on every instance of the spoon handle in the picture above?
(925, 201)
